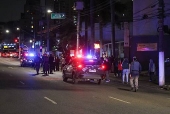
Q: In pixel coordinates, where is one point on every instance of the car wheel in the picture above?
(74, 79)
(64, 77)
(99, 81)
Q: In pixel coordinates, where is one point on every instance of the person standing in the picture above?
(46, 64)
(116, 67)
(107, 69)
(51, 63)
(151, 69)
(135, 69)
(37, 61)
(126, 71)
(63, 62)
(119, 68)
(56, 63)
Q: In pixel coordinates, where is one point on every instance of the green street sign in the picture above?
(58, 16)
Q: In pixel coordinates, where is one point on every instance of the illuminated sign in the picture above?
(147, 47)
(96, 46)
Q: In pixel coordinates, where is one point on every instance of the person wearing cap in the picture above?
(135, 69)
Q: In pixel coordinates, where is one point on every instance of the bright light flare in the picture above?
(79, 56)
(79, 66)
(89, 56)
(31, 54)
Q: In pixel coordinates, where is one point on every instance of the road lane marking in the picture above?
(22, 82)
(50, 100)
(119, 100)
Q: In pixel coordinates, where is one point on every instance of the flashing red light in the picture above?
(79, 56)
(79, 66)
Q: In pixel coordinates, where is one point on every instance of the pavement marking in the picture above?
(22, 82)
(119, 100)
(50, 100)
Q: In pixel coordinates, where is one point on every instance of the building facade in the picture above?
(145, 40)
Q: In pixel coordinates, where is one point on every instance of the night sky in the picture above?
(10, 10)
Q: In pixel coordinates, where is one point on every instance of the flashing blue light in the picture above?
(31, 54)
(89, 56)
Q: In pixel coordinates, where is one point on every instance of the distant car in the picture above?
(84, 68)
(27, 60)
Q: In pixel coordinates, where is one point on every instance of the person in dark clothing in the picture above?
(56, 63)
(116, 67)
(51, 63)
(46, 64)
(37, 62)
(151, 69)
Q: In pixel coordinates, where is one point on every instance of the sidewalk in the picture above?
(144, 81)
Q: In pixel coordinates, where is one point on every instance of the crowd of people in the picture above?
(49, 63)
(129, 72)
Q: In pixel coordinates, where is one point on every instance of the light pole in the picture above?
(19, 42)
(161, 50)
(48, 42)
(78, 6)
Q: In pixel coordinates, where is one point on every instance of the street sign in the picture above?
(58, 16)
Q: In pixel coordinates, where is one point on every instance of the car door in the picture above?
(67, 68)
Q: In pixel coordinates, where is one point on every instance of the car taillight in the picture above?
(103, 66)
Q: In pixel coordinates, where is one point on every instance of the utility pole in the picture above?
(92, 26)
(101, 37)
(112, 28)
(78, 6)
(78, 31)
(48, 42)
(48, 31)
(161, 50)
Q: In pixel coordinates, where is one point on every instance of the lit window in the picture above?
(32, 26)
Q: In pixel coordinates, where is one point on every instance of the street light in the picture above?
(48, 43)
(7, 31)
(19, 42)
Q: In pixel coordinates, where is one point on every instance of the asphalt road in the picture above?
(23, 92)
